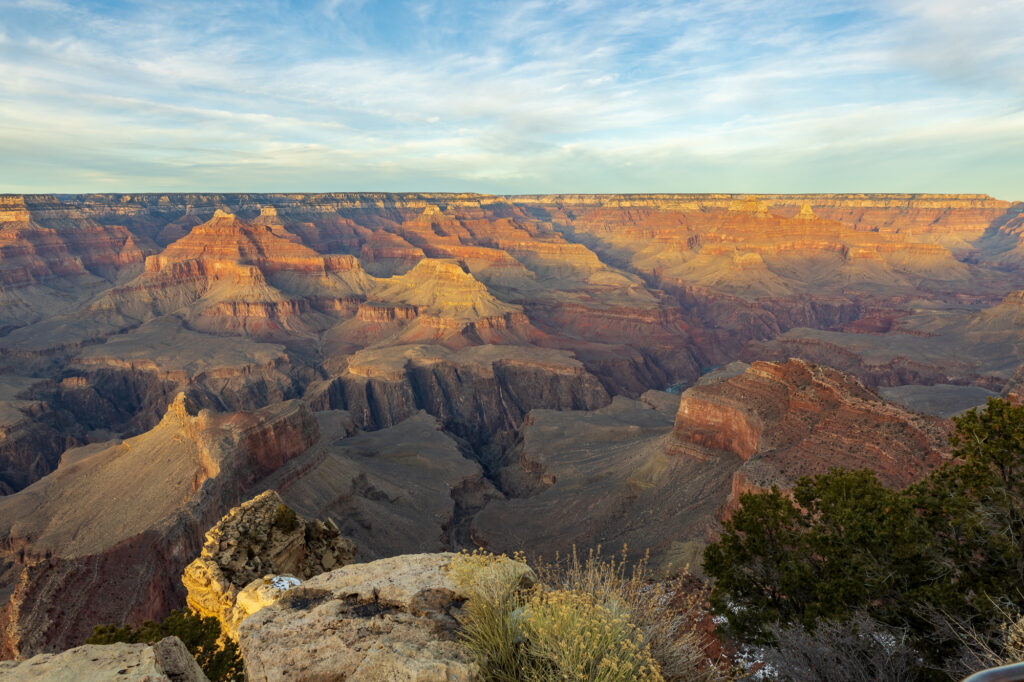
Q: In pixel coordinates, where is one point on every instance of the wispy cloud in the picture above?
(511, 96)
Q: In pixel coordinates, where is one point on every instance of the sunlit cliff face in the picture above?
(643, 289)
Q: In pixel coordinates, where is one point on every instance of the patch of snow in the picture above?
(284, 582)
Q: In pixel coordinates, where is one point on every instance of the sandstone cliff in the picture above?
(493, 386)
(792, 419)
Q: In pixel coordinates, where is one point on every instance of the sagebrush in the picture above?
(589, 620)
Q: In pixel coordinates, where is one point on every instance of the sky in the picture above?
(512, 97)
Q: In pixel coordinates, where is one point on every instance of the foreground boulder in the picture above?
(168, 659)
(391, 619)
(258, 551)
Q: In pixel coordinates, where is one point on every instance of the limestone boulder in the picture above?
(264, 592)
(259, 549)
(393, 619)
(167, 660)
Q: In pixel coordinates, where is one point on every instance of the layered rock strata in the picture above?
(406, 488)
(793, 419)
(604, 477)
(476, 392)
(659, 474)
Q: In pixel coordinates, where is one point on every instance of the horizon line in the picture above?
(57, 195)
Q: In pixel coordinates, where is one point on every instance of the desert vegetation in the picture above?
(591, 619)
(847, 579)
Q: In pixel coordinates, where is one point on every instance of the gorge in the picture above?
(430, 372)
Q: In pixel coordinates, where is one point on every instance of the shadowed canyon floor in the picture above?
(434, 371)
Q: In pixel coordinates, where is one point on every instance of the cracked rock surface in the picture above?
(391, 619)
(165, 661)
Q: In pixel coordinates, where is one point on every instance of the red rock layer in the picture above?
(792, 419)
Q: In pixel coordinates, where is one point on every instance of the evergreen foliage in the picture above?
(221, 663)
(948, 550)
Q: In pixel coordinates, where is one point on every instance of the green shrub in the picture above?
(586, 620)
(934, 560)
(286, 519)
(572, 636)
(202, 637)
(668, 613)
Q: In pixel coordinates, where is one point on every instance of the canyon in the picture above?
(428, 372)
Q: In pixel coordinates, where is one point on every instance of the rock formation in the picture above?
(793, 419)
(165, 661)
(602, 477)
(1015, 388)
(397, 490)
(496, 385)
(261, 537)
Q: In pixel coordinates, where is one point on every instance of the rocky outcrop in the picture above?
(602, 477)
(105, 538)
(443, 288)
(391, 619)
(792, 419)
(165, 661)
(660, 473)
(259, 537)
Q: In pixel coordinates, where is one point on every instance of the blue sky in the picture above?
(513, 97)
